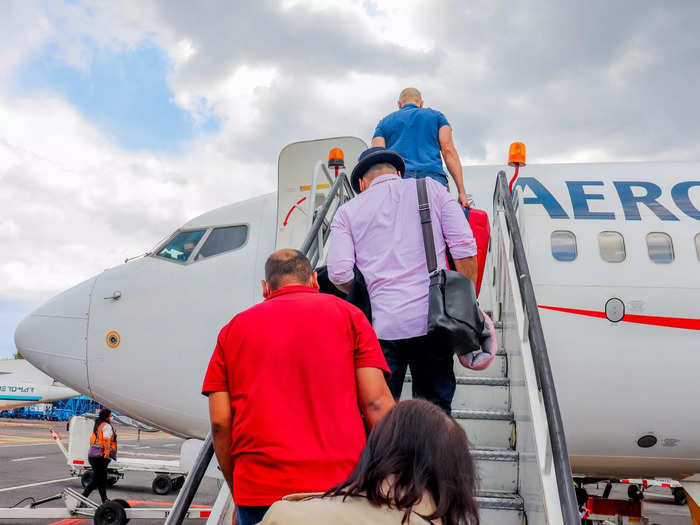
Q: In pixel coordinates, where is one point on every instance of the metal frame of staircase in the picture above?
(545, 482)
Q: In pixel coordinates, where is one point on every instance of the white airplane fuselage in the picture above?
(21, 385)
(616, 381)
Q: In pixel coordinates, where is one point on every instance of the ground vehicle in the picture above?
(168, 474)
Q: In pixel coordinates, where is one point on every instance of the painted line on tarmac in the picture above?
(12, 445)
(70, 521)
(147, 454)
(7, 489)
(29, 459)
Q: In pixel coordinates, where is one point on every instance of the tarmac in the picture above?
(32, 466)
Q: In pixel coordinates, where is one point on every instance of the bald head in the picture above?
(285, 267)
(410, 95)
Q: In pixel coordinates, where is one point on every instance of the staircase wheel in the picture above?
(110, 513)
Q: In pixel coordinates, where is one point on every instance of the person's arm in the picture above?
(373, 393)
(216, 387)
(456, 231)
(107, 434)
(454, 165)
(221, 418)
(341, 253)
(468, 267)
(379, 138)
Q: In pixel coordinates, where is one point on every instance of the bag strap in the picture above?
(426, 225)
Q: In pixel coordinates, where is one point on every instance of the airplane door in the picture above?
(296, 166)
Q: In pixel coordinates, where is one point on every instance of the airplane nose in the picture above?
(54, 336)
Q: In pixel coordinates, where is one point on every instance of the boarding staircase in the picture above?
(509, 410)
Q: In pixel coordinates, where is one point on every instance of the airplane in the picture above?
(614, 253)
(22, 384)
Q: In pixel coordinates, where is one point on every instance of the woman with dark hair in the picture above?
(416, 468)
(103, 448)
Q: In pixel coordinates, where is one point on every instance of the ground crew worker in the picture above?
(380, 231)
(103, 447)
(419, 135)
(284, 385)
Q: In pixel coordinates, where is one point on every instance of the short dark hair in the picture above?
(285, 265)
(418, 448)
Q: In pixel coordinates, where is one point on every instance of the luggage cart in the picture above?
(169, 475)
(114, 512)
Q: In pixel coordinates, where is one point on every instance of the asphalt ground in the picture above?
(32, 465)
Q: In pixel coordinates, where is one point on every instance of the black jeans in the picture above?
(432, 375)
(99, 477)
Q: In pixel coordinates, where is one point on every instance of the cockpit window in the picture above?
(181, 246)
(611, 246)
(564, 245)
(660, 247)
(222, 240)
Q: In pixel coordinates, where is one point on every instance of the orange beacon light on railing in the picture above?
(336, 159)
(516, 157)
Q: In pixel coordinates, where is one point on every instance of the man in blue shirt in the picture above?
(419, 135)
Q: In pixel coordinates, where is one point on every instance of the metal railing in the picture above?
(543, 370)
(312, 247)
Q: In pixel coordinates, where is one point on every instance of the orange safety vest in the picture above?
(108, 445)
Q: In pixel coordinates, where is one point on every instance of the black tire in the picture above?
(125, 505)
(679, 496)
(112, 480)
(110, 513)
(634, 493)
(86, 478)
(162, 484)
(178, 483)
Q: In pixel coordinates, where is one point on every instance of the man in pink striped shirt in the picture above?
(380, 231)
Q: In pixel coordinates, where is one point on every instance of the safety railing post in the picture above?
(192, 482)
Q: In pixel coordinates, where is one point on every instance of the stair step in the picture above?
(485, 393)
(497, 469)
(500, 517)
(486, 428)
(500, 509)
(498, 500)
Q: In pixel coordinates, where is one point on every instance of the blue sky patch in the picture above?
(11, 313)
(125, 94)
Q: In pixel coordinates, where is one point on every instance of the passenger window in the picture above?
(181, 246)
(564, 245)
(611, 246)
(660, 247)
(697, 245)
(223, 240)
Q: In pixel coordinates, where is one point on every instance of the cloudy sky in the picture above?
(120, 120)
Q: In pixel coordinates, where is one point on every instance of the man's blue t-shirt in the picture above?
(412, 132)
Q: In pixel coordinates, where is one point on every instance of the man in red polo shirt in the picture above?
(284, 385)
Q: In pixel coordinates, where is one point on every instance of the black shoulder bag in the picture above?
(454, 318)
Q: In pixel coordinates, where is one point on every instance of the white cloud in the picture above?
(74, 204)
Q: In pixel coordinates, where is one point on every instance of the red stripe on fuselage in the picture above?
(671, 322)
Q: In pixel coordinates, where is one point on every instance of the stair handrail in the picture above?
(312, 246)
(538, 349)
